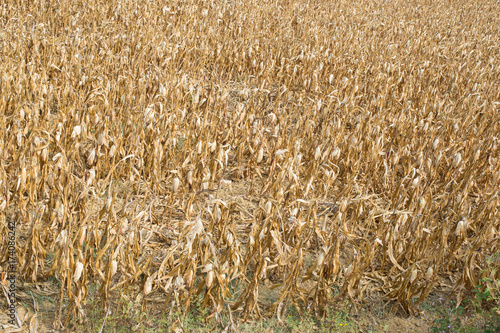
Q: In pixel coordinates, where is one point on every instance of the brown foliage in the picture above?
(190, 145)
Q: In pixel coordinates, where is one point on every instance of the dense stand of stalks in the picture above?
(188, 147)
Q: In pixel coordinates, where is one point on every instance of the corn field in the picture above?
(318, 149)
